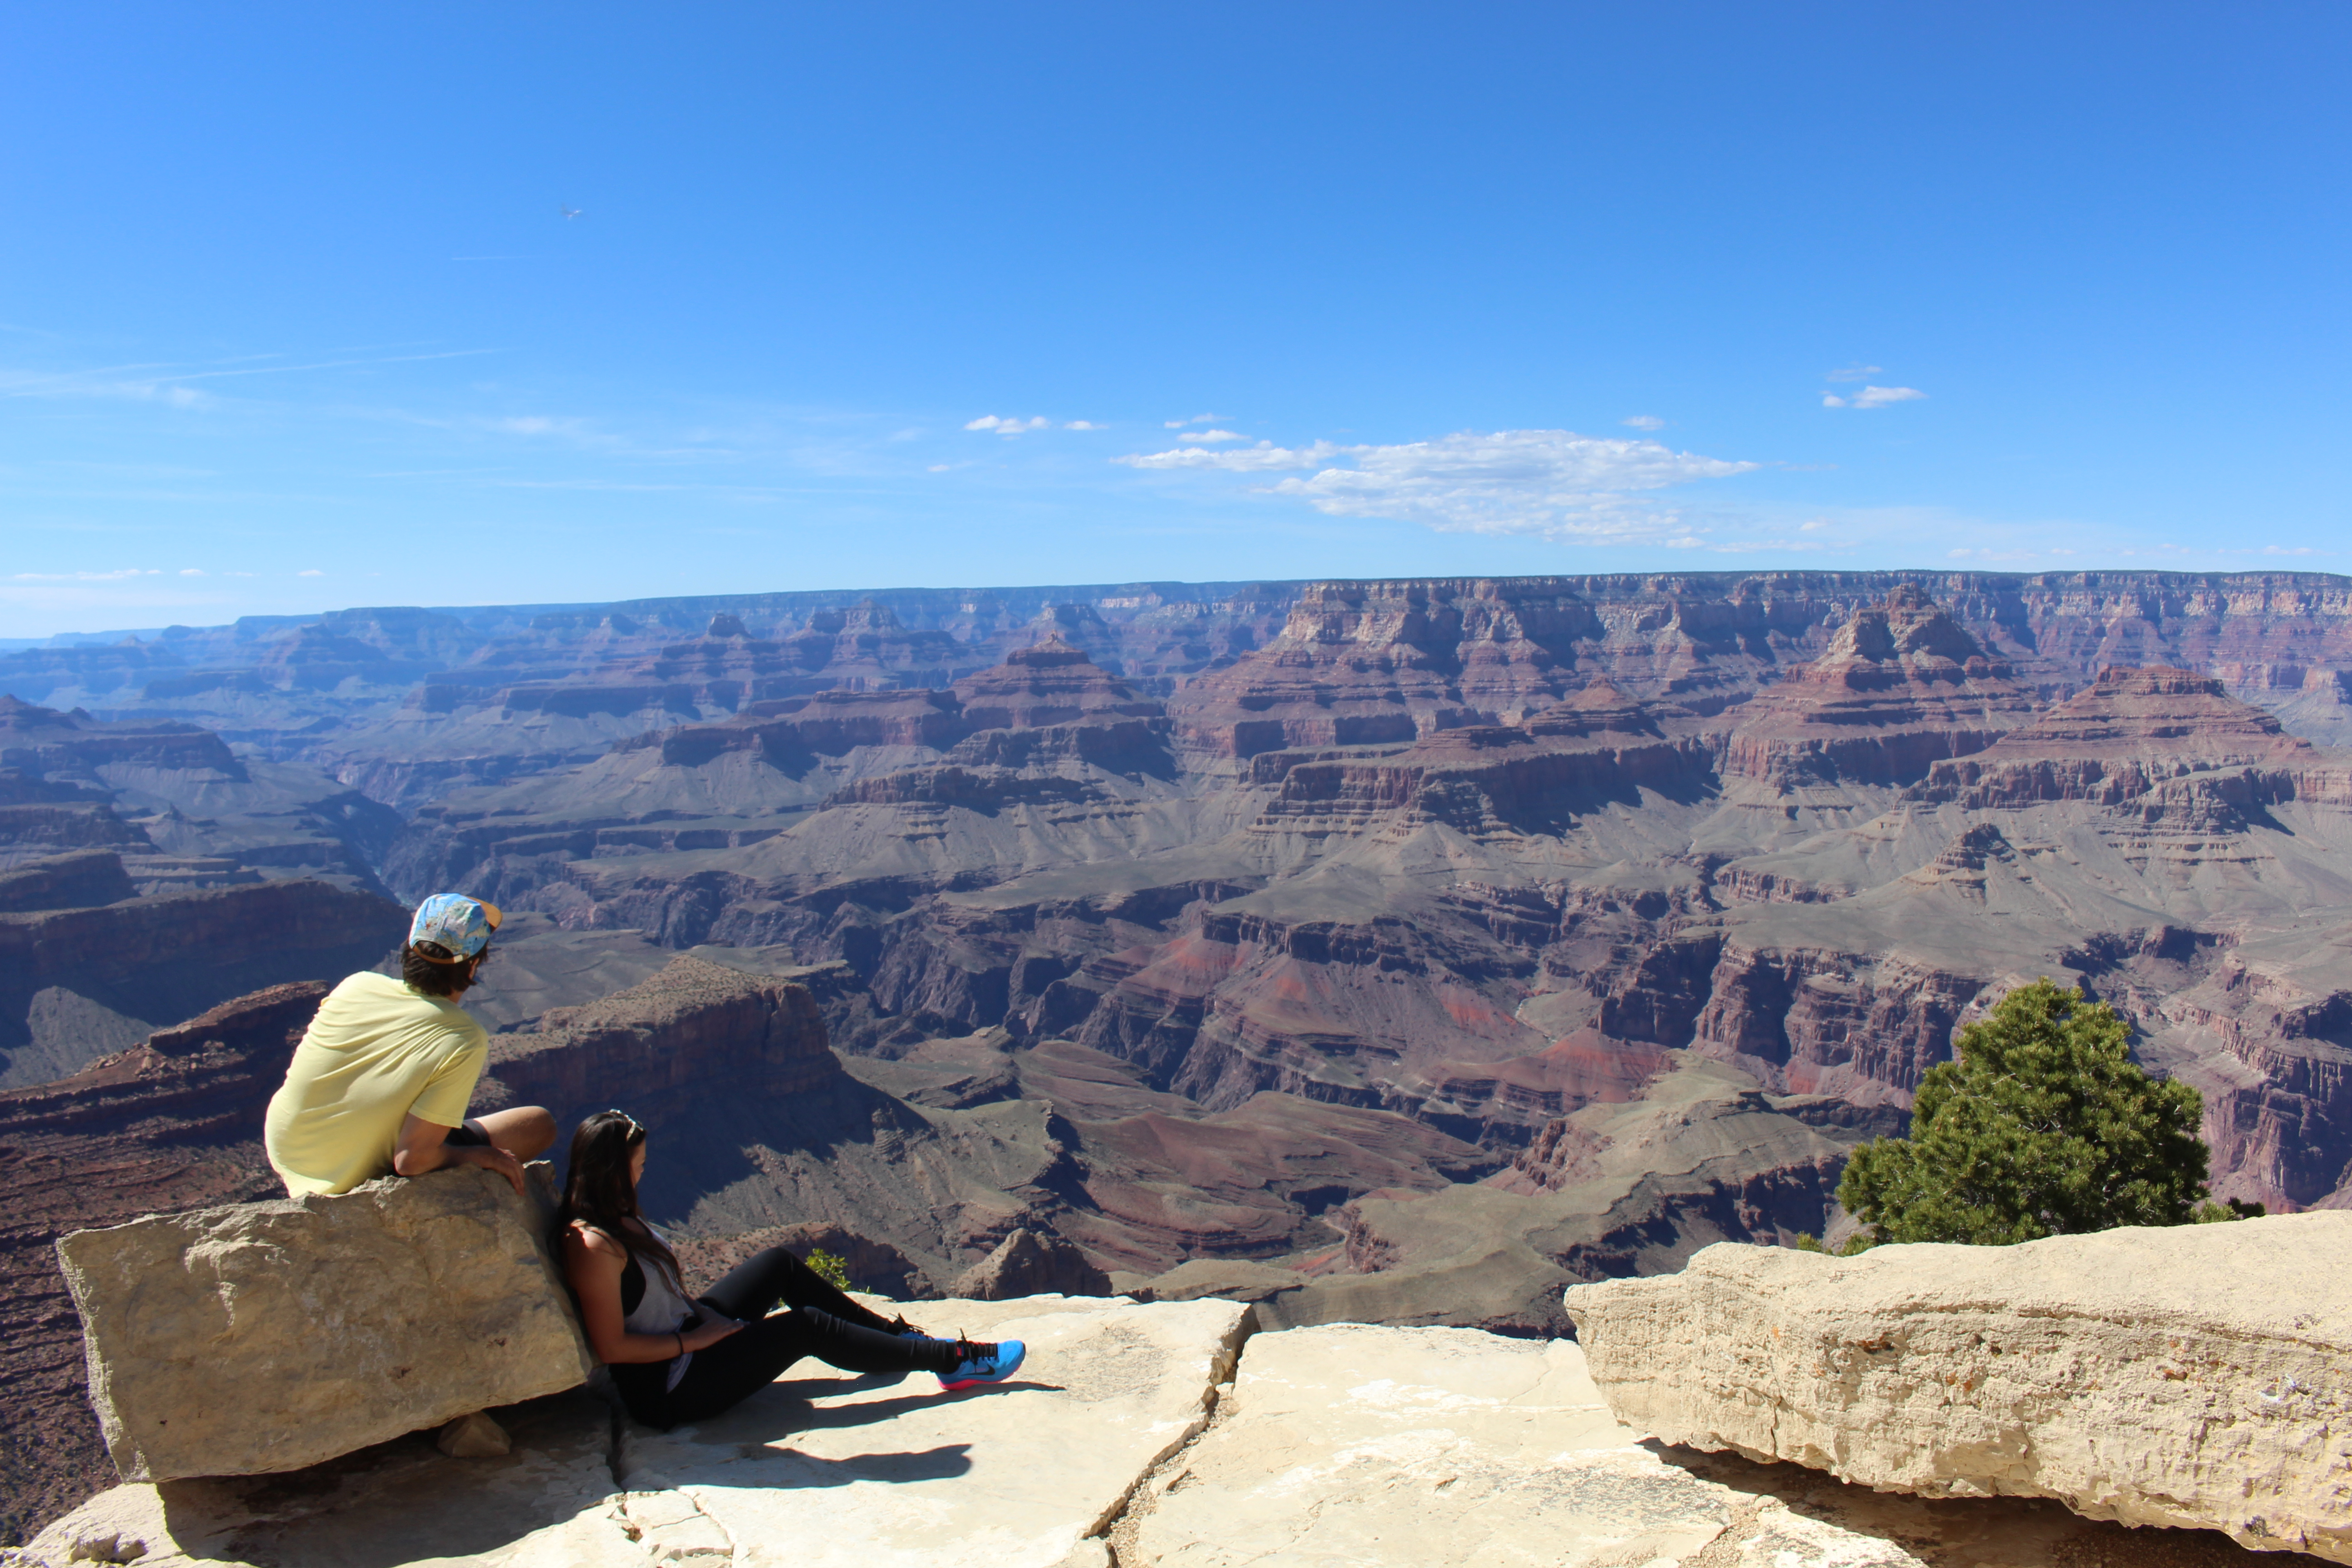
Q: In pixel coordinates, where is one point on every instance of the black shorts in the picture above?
(469, 1136)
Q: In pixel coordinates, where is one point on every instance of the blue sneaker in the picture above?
(983, 1364)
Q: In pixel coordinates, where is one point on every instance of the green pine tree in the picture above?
(2042, 1126)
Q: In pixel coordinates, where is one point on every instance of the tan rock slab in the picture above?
(827, 1470)
(549, 1502)
(1350, 1443)
(2197, 1376)
(264, 1337)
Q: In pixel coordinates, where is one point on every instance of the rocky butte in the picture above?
(1397, 953)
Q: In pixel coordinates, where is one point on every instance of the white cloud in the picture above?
(1815, 526)
(1014, 427)
(1082, 424)
(1644, 422)
(1553, 483)
(309, 572)
(1263, 457)
(1196, 419)
(1214, 436)
(1852, 372)
(191, 571)
(2288, 549)
(1873, 398)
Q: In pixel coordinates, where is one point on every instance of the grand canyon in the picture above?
(1395, 952)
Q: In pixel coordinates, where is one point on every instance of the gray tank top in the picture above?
(664, 1307)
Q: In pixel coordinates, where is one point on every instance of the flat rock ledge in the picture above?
(263, 1337)
(2197, 1376)
(1136, 1436)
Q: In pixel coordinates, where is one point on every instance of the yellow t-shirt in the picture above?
(376, 1053)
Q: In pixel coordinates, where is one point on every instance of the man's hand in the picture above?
(490, 1157)
(421, 1149)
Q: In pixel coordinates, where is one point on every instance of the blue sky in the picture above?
(292, 318)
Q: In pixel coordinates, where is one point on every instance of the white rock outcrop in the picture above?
(1132, 1429)
(262, 1337)
(2193, 1376)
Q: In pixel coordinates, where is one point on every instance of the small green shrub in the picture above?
(832, 1271)
(2042, 1126)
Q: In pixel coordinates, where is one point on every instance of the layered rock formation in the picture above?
(177, 802)
(1900, 687)
(693, 1025)
(269, 1336)
(1027, 1264)
(2134, 734)
(2188, 1377)
(78, 983)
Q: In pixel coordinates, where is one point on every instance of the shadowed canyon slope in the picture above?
(1396, 951)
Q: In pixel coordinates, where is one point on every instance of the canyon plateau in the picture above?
(1396, 952)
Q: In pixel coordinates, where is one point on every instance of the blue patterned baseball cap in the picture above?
(454, 925)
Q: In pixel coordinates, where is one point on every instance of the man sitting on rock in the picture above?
(381, 1082)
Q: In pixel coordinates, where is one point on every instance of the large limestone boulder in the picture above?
(262, 1337)
(2192, 1376)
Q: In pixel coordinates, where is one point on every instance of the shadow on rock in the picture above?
(759, 1465)
(1954, 1532)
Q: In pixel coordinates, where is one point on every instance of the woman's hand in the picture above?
(709, 1332)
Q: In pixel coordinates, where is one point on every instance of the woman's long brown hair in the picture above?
(597, 1190)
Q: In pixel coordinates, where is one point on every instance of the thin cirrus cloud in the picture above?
(1644, 422)
(1012, 426)
(1873, 398)
(1195, 419)
(1553, 484)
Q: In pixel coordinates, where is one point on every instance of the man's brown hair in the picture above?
(438, 977)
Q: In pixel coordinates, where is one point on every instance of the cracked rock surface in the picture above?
(1136, 1435)
(875, 1472)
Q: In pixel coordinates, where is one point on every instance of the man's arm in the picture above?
(421, 1149)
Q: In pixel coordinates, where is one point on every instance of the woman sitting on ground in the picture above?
(677, 1360)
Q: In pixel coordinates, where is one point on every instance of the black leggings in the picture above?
(822, 1323)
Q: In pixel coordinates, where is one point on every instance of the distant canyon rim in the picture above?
(1391, 950)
